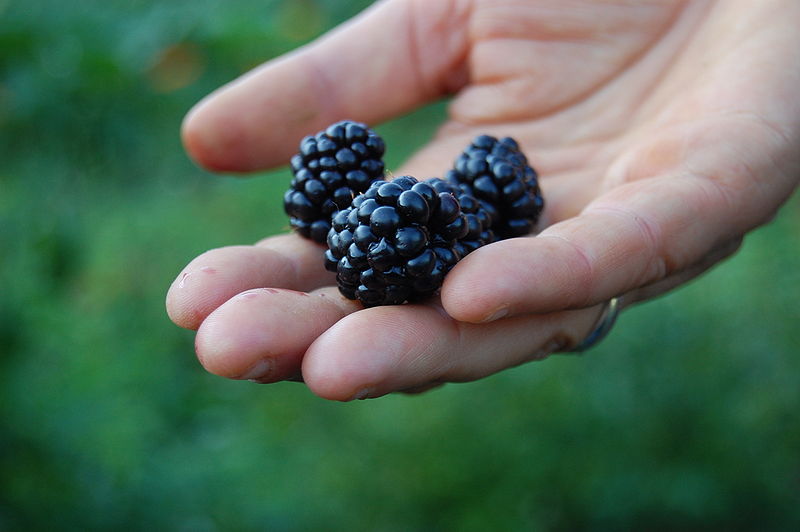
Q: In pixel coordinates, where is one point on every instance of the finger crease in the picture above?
(658, 265)
(586, 271)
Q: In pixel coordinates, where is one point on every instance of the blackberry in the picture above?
(499, 176)
(479, 220)
(396, 242)
(332, 167)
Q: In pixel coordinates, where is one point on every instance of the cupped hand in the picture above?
(662, 131)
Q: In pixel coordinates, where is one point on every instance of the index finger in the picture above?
(369, 69)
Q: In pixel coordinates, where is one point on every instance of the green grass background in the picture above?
(685, 418)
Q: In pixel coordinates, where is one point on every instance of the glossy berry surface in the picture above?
(507, 187)
(479, 219)
(331, 168)
(396, 242)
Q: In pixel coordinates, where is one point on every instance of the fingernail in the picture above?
(361, 394)
(549, 348)
(260, 370)
(553, 346)
(540, 355)
(502, 312)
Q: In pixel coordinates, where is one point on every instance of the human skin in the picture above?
(663, 132)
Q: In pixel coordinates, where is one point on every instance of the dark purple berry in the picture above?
(499, 176)
(331, 168)
(403, 241)
(475, 228)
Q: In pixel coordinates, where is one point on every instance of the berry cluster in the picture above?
(394, 241)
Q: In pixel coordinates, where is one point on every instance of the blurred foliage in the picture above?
(685, 418)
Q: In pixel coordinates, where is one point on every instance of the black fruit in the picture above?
(499, 176)
(396, 242)
(331, 168)
(479, 219)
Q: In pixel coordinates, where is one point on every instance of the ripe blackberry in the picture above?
(332, 167)
(500, 177)
(479, 220)
(396, 242)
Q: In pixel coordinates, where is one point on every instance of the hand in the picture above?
(663, 133)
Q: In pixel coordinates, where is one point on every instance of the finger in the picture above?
(633, 236)
(394, 348)
(262, 334)
(392, 58)
(421, 389)
(684, 276)
(285, 261)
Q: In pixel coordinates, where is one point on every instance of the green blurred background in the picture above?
(685, 418)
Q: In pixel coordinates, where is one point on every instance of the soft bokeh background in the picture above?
(685, 418)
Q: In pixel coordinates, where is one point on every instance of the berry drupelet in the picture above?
(332, 167)
(396, 242)
(499, 176)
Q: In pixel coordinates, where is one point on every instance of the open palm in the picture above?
(662, 132)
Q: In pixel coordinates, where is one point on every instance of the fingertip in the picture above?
(212, 140)
(377, 351)
(283, 261)
(189, 300)
(525, 275)
(262, 334)
(474, 291)
(462, 303)
(233, 341)
(179, 312)
(204, 284)
(256, 121)
(338, 366)
(226, 355)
